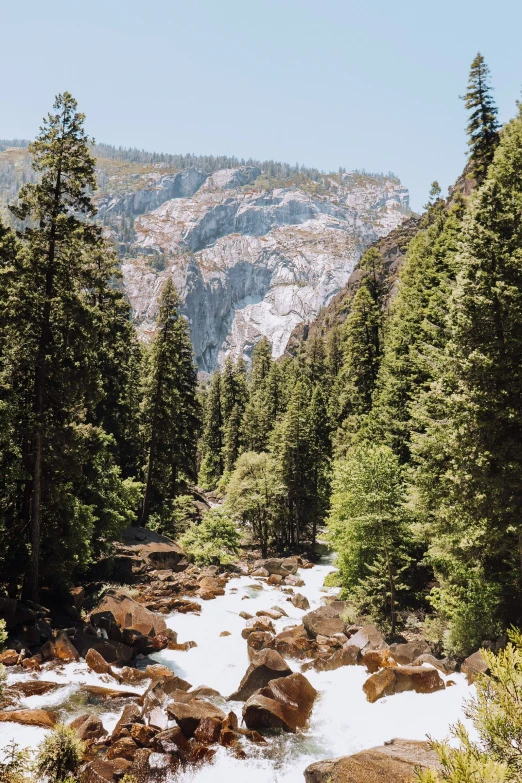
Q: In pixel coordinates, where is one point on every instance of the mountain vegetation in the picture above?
(397, 427)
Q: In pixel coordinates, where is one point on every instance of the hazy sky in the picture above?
(370, 84)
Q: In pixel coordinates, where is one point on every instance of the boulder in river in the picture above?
(257, 624)
(285, 703)
(474, 666)
(62, 648)
(324, 621)
(43, 718)
(126, 613)
(409, 652)
(300, 601)
(395, 762)
(189, 714)
(367, 638)
(266, 665)
(387, 682)
(88, 727)
(96, 662)
(102, 771)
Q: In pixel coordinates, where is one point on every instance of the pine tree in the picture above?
(170, 412)
(470, 461)
(320, 458)
(49, 369)
(483, 127)
(234, 397)
(212, 464)
(291, 446)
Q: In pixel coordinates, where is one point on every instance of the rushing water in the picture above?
(342, 721)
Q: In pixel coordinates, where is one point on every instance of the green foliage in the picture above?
(175, 517)
(13, 764)
(3, 634)
(368, 529)
(214, 541)
(496, 715)
(483, 128)
(170, 409)
(59, 755)
(255, 495)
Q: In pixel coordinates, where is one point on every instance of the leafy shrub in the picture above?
(59, 755)
(214, 541)
(13, 763)
(496, 713)
(3, 634)
(2, 677)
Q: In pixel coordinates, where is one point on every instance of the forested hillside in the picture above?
(393, 427)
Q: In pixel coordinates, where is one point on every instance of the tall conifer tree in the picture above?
(483, 127)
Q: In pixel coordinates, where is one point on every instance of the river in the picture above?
(342, 721)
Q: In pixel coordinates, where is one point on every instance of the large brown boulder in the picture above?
(389, 681)
(347, 655)
(62, 648)
(150, 767)
(266, 665)
(285, 703)
(42, 718)
(325, 621)
(153, 549)
(474, 666)
(300, 601)
(101, 771)
(395, 762)
(127, 613)
(257, 624)
(96, 662)
(292, 642)
(367, 638)
(409, 652)
(88, 727)
(189, 714)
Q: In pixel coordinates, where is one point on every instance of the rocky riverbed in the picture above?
(259, 678)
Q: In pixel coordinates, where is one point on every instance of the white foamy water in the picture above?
(342, 721)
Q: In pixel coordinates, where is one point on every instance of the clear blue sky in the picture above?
(368, 84)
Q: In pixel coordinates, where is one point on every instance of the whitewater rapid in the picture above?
(342, 721)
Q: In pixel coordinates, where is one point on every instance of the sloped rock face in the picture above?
(249, 261)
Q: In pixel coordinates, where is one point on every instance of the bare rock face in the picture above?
(249, 261)
(285, 703)
(266, 665)
(394, 762)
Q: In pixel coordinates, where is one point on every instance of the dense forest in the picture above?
(396, 434)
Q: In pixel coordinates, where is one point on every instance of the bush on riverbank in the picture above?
(214, 541)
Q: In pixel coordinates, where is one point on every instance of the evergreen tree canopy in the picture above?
(483, 127)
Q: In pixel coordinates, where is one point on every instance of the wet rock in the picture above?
(96, 662)
(9, 657)
(108, 694)
(88, 727)
(348, 655)
(324, 621)
(281, 567)
(395, 762)
(258, 640)
(188, 715)
(294, 581)
(42, 718)
(272, 614)
(275, 579)
(300, 601)
(257, 624)
(390, 681)
(151, 767)
(143, 735)
(474, 666)
(444, 665)
(130, 715)
(208, 731)
(409, 652)
(245, 615)
(252, 735)
(292, 642)
(377, 659)
(260, 572)
(132, 676)
(266, 665)
(171, 741)
(204, 692)
(157, 671)
(124, 748)
(225, 633)
(127, 613)
(285, 703)
(101, 771)
(33, 663)
(62, 648)
(367, 638)
(35, 687)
